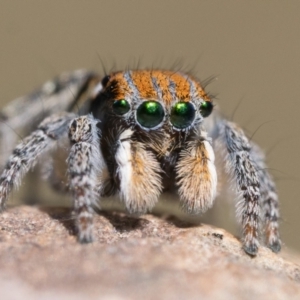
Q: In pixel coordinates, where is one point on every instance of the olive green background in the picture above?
(251, 48)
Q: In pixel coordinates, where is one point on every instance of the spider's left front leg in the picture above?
(269, 201)
(85, 163)
(243, 170)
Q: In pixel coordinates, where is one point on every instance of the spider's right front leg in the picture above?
(26, 154)
(85, 163)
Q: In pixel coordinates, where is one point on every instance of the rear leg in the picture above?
(23, 114)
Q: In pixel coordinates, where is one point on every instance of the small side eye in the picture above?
(182, 115)
(121, 107)
(206, 108)
(150, 114)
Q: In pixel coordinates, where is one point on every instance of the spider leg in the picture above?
(196, 175)
(270, 203)
(243, 171)
(85, 163)
(139, 174)
(23, 114)
(26, 154)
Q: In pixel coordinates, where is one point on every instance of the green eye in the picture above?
(150, 114)
(182, 114)
(206, 108)
(121, 107)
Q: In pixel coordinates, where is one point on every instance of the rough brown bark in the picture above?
(133, 258)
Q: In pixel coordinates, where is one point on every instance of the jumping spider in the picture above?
(138, 133)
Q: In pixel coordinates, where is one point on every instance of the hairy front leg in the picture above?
(85, 163)
(240, 166)
(269, 201)
(26, 154)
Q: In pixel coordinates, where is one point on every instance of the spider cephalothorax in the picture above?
(140, 133)
(158, 112)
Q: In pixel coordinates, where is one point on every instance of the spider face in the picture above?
(153, 99)
(163, 109)
(138, 134)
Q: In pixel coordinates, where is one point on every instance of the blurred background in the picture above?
(250, 48)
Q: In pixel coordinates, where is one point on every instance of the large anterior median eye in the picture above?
(206, 108)
(150, 114)
(182, 115)
(121, 107)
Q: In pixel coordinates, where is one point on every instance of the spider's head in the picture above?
(153, 114)
(153, 99)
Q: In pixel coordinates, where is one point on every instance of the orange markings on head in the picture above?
(200, 91)
(143, 81)
(122, 87)
(182, 86)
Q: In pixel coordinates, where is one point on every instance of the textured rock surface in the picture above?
(133, 258)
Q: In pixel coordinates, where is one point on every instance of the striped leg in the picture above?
(270, 203)
(84, 165)
(23, 114)
(26, 154)
(240, 166)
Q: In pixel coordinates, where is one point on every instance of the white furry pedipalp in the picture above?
(138, 170)
(197, 177)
